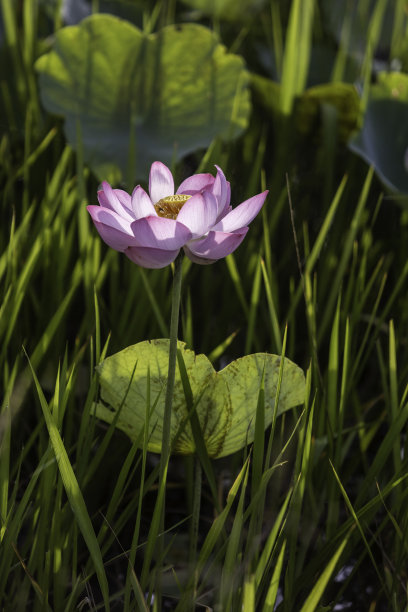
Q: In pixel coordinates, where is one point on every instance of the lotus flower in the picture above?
(151, 229)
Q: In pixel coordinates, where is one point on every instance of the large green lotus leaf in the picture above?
(225, 401)
(383, 141)
(243, 378)
(134, 98)
(227, 9)
(149, 361)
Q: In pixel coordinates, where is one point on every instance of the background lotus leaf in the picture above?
(391, 85)
(227, 9)
(133, 98)
(348, 23)
(267, 93)
(343, 97)
(73, 11)
(383, 139)
(226, 400)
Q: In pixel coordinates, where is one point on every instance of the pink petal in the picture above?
(110, 218)
(198, 260)
(161, 183)
(195, 183)
(160, 233)
(112, 228)
(242, 215)
(151, 258)
(124, 198)
(227, 206)
(141, 204)
(199, 213)
(221, 190)
(109, 200)
(214, 246)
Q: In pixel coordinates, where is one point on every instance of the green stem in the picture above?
(168, 405)
(168, 402)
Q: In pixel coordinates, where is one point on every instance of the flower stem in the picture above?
(168, 405)
(168, 402)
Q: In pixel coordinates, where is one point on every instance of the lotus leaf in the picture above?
(129, 98)
(383, 139)
(225, 401)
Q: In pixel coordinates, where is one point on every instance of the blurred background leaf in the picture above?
(227, 9)
(383, 139)
(73, 11)
(134, 98)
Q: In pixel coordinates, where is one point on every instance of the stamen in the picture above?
(170, 206)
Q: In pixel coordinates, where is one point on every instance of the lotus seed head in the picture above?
(170, 206)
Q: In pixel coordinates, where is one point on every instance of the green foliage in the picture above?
(310, 104)
(138, 97)
(225, 401)
(382, 142)
(227, 9)
(383, 139)
(72, 489)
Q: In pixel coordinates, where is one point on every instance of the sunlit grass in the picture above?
(325, 488)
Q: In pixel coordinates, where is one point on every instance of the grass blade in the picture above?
(73, 492)
(316, 593)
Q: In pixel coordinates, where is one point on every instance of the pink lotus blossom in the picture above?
(152, 228)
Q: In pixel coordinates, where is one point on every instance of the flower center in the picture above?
(170, 206)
